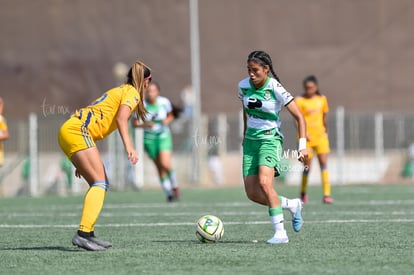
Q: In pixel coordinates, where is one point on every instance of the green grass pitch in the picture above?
(369, 230)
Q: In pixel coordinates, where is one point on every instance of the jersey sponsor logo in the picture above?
(268, 158)
(254, 103)
(152, 117)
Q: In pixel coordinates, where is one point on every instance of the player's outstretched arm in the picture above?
(300, 120)
(122, 117)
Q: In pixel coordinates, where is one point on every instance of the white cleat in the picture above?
(297, 220)
(279, 238)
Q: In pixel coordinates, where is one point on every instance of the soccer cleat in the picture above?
(327, 200)
(176, 193)
(170, 198)
(279, 238)
(86, 243)
(99, 242)
(297, 220)
(304, 198)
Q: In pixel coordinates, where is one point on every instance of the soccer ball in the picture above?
(209, 229)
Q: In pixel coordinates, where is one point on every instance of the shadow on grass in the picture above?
(42, 248)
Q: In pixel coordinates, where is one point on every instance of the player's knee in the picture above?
(166, 167)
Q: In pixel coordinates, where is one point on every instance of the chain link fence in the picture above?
(365, 148)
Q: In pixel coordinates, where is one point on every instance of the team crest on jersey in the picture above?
(267, 95)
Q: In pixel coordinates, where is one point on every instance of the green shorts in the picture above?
(154, 143)
(263, 152)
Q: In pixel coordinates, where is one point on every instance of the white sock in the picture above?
(173, 179)
(277, 222)
(166, 186)
(288, 204)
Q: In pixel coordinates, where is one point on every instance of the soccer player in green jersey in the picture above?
(263, 97)
(157, 138)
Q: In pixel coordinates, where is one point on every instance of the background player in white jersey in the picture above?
(263, 97)
(158, 140)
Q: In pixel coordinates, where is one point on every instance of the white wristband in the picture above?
(302, 144)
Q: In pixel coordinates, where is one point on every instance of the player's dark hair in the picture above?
(176, 110)
(263, 59)
(136, 77)
(313, 79)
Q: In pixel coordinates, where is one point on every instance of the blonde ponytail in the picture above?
(137, 77)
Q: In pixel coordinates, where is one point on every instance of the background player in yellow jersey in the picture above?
(4, 133)
(77, 138)
(314, 107)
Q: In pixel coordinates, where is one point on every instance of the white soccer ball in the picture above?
(209, 229)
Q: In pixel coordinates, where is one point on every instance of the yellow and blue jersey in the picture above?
(97, 120)
(99, 117)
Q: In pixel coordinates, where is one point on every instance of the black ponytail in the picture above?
(263, 59)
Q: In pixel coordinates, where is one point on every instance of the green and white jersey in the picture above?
(262, 107)
(157, 113)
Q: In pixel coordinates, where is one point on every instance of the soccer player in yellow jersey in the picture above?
(77, 138)
(314, 107)
(4, 133)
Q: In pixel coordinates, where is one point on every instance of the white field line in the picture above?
(184, 214)
(247, 204)
(32, 226)
(365, 190)
(175, 205)
(154, 205)
(225, 204)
